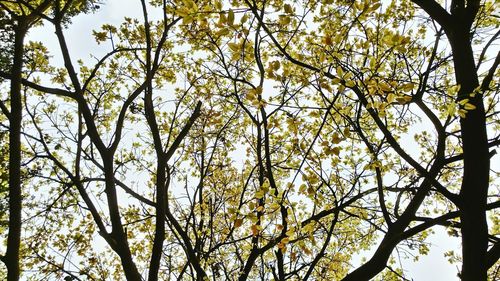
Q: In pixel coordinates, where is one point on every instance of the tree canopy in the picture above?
(249, 140)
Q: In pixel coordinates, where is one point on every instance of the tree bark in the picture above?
(11, 258)
(118, 238)
(475, 182)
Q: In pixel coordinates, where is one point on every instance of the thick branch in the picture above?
(436, 11)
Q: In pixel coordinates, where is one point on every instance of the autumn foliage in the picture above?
(249, 140)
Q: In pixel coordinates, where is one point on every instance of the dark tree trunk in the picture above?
(475, 182)
(119, 240)
(15, 196)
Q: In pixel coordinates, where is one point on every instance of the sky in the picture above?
(81, 44)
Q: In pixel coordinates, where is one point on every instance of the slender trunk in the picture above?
(119, 241)
(475, 182)
(15, 196)
(159, 237)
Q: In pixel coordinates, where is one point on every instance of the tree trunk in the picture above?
(15, 119)
(119, 241)
(475, 182)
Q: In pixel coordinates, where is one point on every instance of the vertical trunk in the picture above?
(160, 221)
(475, 180)
(15, 196)
(119, 241)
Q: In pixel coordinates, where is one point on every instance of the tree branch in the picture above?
(184, 131)
(436, 11)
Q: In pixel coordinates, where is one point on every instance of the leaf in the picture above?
(255, 229)
(469, 106)
(408, 87)
(403, 100)
(230, 18)
(328, 40)
(284, 20)
(235, 47)
(218, 5)
(336, 138)
(340, 72)
(276, 65)
(390, 97)
(259, 194)
(350, 83)
(451, 109)
(244, 19)
(374, 7)
(384, 87)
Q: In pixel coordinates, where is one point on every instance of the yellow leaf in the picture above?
(259, 194)
(218, 5)
(469, 106)
(359, 5)
(350, 83)
(306, 251)
(328, 40)
(336, 138)
(308, 228)
(384, 87)
(183, 12)
(336, 80)
(244, 19)
(235, 47)
(347, 132)
(284, 19)
(311, 190)
(403, 100)
(452, 109)
(390, 97)
(238, 222)
(230, 17)
(255, 229)
(408, 87)
(276, 65)
(374, 7)
(274, 205)
(340, 72)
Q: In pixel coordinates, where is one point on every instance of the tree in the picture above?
(261, 140)
(21, 16)
(474, 144)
